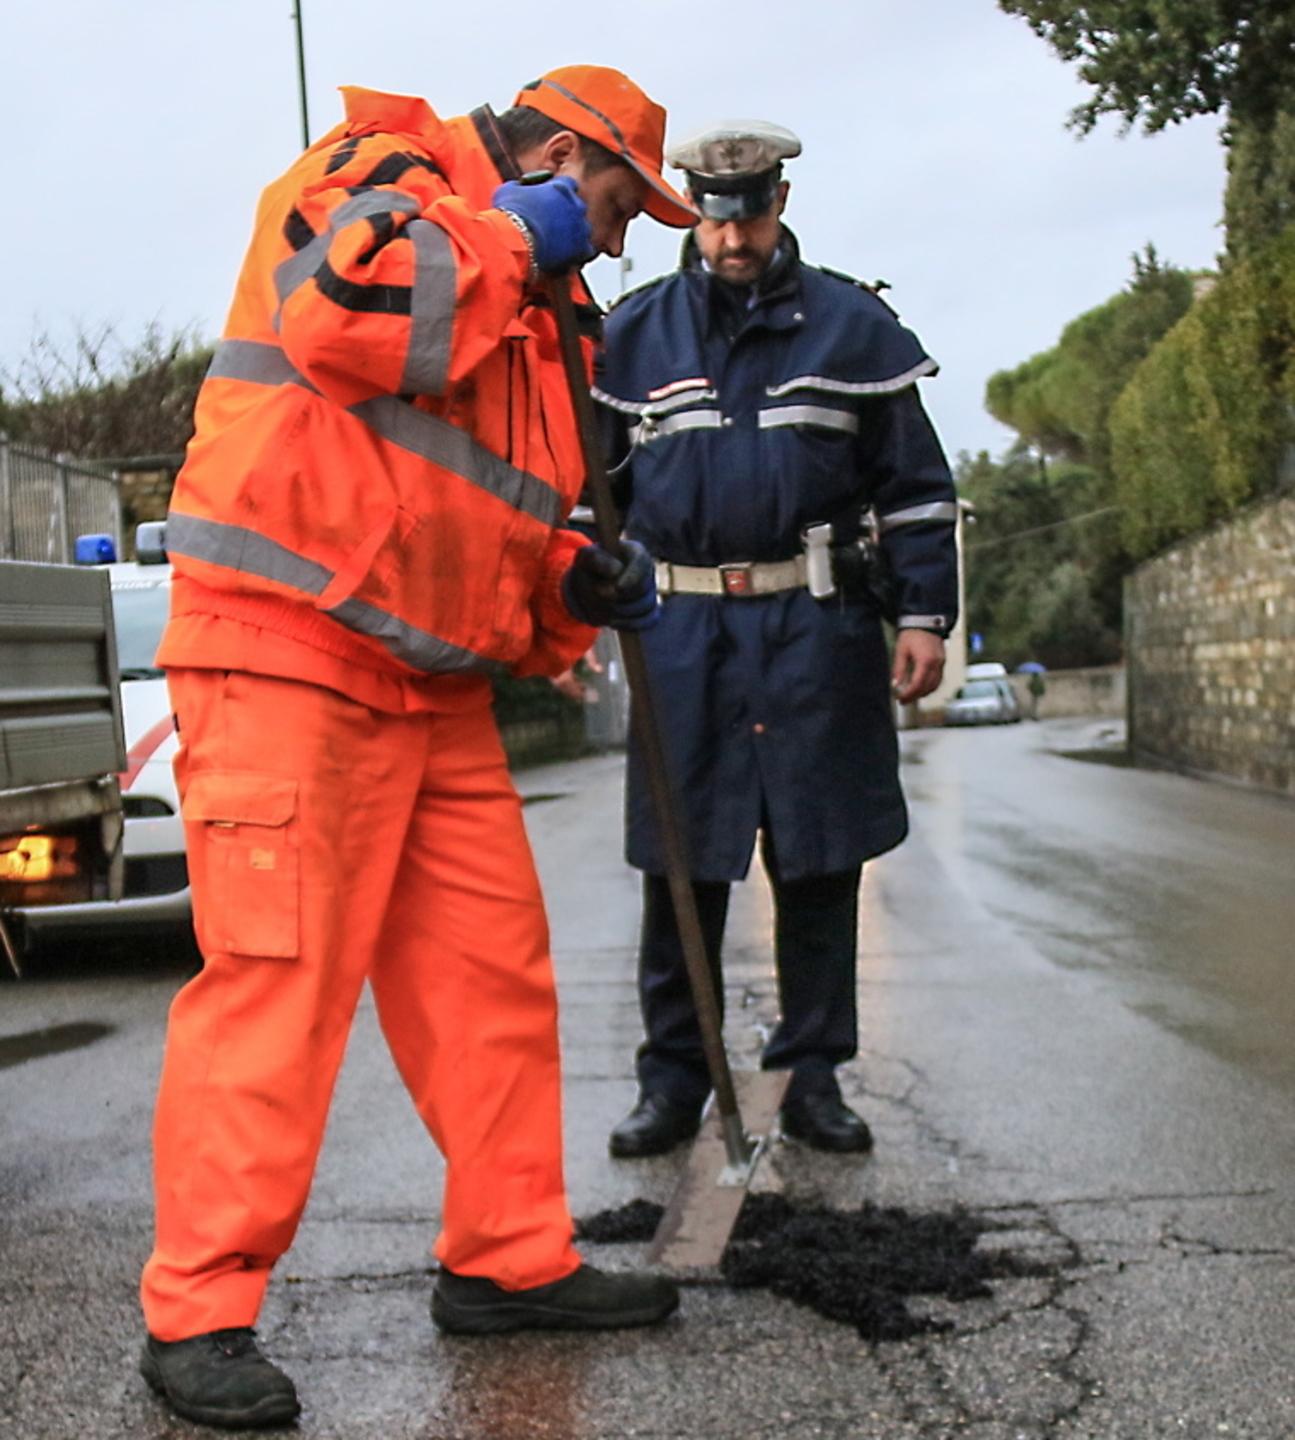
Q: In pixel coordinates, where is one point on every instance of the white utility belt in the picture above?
(744, 579)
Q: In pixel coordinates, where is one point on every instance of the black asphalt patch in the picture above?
(859, 1267)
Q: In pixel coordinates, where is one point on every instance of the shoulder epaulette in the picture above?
(874, 289)
(639, 289)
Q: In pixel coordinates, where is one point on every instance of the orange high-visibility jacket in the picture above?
(384, 443)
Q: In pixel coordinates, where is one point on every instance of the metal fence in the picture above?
(46, 501)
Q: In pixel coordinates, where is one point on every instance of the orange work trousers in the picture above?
(329, 844)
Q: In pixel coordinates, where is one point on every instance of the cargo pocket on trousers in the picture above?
(248, 826)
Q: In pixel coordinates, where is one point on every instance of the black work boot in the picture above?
(220, 1378)
(587, 1299)
(826, 1122)
(654, 1126)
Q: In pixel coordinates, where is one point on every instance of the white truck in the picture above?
(62, 744)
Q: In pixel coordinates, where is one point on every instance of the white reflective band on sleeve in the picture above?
(853, 387)
(298, 268)
(431, 310)
(922, 622)
(845, 420)
(945, 510)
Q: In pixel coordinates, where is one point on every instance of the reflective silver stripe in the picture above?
(298, 268)
(809, 415)
(417, 648)
(677, 402)
(396, 420)
(649, 408)
(239, 549)
(446, 445)
(432, 310)
(244, 550)
(652, 428)
(254, 361)
(937, 510)
(849, 387)
(922, 622)
(614, 402)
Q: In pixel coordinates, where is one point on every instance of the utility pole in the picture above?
(301, 75)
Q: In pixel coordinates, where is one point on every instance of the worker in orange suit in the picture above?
(367, 526)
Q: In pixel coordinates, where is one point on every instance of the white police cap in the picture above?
(734, 148)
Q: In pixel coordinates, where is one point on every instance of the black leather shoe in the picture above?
(826, 1122)
(220, 1378)
(654, 1126)
(587, 1299)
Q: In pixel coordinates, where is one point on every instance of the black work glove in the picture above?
(617, 590)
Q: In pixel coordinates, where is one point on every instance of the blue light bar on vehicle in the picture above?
(94, 550)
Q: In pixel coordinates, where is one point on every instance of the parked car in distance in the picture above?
(987, 701)
(156, 882)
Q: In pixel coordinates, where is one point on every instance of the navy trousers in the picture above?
(815, 948)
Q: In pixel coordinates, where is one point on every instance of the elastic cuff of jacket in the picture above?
(512, 239)
(935, 624)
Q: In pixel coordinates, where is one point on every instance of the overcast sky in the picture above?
(935, 151)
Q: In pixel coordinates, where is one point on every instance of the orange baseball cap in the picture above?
(609, 108)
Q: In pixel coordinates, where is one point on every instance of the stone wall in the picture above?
(1210, 647)
(145, 495)
(1095, 691)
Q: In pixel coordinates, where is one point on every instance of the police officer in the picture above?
(775, 458)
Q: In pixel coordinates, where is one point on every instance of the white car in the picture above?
(983, 702)
(156, 891)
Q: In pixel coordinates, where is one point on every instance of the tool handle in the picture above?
(648, 731)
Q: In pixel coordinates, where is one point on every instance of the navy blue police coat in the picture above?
(734, 432)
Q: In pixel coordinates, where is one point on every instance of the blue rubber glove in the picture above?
(555, 215)
(617, 590)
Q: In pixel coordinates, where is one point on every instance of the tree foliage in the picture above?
(1035, 561)
(1060, 400)
(1259, 202)
(100, 397)
(1158, 62)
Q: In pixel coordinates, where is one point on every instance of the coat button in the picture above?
(727, 420)
(758, 728)
(798, 316)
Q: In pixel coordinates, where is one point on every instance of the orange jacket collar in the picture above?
(401, 114)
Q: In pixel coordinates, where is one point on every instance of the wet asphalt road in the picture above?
(1078, 1007)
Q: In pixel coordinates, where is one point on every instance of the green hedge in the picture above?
(1202, 424)
(537, 722)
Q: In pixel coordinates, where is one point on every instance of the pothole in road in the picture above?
(858, 1267)
(54, 1040)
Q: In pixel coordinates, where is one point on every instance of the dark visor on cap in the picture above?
(734, 197)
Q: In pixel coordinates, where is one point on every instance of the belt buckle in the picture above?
(736, 578)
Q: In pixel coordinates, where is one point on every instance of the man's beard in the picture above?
(738, 257)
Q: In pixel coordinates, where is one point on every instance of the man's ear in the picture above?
(560, 149)
(784, 189)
